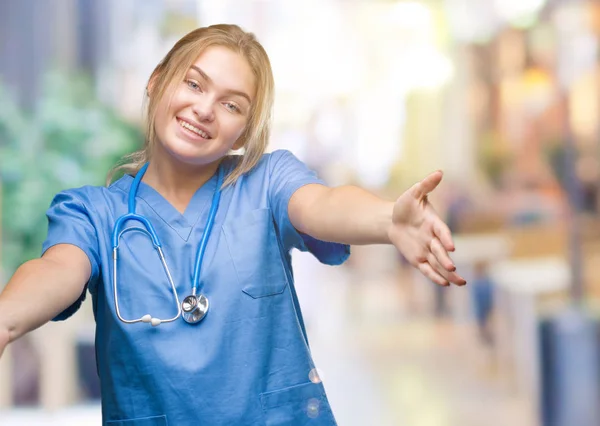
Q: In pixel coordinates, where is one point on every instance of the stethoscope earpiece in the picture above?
(154, 321)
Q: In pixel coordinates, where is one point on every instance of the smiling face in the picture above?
(209, 109)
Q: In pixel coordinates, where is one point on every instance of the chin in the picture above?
(191, 155)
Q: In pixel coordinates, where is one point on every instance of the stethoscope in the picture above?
(194, 307)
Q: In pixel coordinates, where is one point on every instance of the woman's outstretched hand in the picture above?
(421, 235)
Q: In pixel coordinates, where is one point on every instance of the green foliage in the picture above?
(70, 140)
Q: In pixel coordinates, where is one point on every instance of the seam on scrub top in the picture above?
(231, 255)
(321, 395)
(269, 169)
(80, 203)
(270, 174)
(98, 264)
(285, 192)
(291, 283)
(161, 218)
(289, 189)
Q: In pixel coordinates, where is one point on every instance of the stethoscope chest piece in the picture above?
(194, 308)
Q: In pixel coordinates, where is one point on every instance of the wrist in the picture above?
(387, 221)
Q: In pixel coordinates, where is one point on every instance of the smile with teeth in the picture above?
(196, 130)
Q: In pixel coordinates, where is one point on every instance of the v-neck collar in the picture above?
(181, 223)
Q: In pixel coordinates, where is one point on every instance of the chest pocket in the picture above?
(254, 249)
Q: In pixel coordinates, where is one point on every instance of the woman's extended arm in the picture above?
(351, 215)
(40, 289)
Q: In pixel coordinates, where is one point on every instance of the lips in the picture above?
(194, 128)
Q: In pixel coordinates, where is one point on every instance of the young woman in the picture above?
(187, 255)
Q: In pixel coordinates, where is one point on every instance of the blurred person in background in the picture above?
(482, 294)
(458, 204)
(191, 225)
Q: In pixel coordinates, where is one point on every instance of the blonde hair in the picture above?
(171, 71)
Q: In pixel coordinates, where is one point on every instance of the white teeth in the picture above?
(193, 129)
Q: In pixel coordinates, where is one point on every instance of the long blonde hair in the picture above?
(171, 71)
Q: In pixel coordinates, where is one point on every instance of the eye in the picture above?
(232, 107)
(193, 85)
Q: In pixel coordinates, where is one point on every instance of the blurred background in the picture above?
(503, 95)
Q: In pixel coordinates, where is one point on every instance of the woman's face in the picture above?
(209, 109)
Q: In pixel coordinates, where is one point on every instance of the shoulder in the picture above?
(280, 158)
(91, 196)
(267, 160)
(82, 194)
(268, 163)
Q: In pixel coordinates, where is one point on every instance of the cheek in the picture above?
(164, 124)
(159, 123)
(161, 119)
(166, 110)
(240, 131)
(236, 128)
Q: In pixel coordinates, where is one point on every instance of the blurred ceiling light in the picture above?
(315, 54)
(410, 14)
(315, 65)
(519, 12)
(471, 20)
(422, 67)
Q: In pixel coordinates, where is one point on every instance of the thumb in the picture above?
(427, 185)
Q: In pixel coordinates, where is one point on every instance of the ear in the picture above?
(152, 82)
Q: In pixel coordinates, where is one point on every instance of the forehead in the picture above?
(227, 70)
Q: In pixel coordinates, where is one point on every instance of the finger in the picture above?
(421, 189)
(430, 273)
(443, 234)
(441, 255)
(440, 229)
(452, 277)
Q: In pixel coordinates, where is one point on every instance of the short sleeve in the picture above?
(287, 175)
(70, 223)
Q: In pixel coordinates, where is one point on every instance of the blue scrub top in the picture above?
(248, 362)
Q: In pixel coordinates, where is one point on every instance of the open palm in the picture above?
(421, 236)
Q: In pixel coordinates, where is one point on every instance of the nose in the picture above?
(203, 109)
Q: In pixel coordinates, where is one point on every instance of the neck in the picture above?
(175, 181)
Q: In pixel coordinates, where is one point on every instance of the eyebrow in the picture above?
(210, 81)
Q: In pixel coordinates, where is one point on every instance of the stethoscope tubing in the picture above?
(149, 230)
